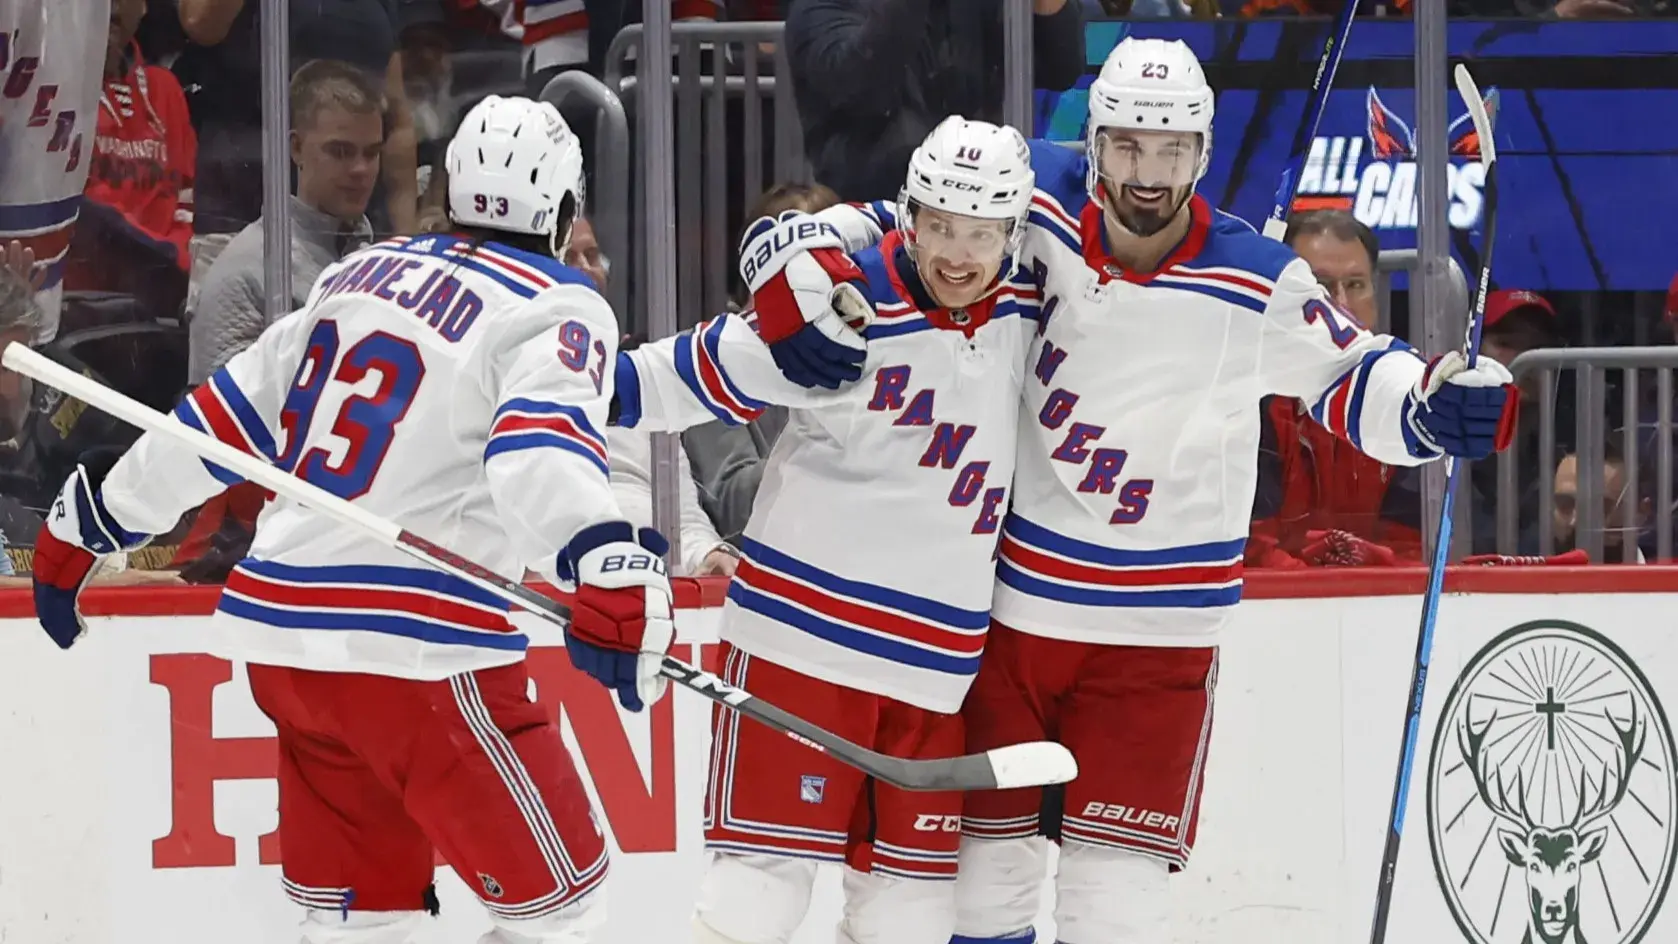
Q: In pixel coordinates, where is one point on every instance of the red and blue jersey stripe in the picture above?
(414, 603)
(1340, 408)
(870, 619)
(218, 407)
(522, 423)
(1036, 561)
(699, 365)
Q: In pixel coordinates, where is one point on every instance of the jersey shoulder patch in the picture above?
(873, 264)
(1060, 173)
(1233, 244)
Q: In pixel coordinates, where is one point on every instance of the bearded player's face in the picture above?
(1146, 176)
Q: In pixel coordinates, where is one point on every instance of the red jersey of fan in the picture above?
(1312, 482)
(144, 152)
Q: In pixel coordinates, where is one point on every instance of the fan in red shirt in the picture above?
(137, 218)
(1320, 501)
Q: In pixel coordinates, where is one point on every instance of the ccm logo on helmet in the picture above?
(963, 186)
(934, 823)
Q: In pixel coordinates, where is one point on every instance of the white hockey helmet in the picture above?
(511, 165)
(1150, 85)
(972, 168)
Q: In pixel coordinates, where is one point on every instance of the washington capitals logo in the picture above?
(1373, 174)
(1391, 139)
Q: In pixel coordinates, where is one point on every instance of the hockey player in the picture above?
(457, 385)
(1165, 322)
(52, 56)
(830, 613)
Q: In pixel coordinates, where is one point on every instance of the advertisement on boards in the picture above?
(138, 802)
(1583, 157)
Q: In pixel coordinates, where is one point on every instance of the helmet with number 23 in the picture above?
(1150, 132)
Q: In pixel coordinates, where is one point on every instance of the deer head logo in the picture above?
(1552, 798)
(1553, 858)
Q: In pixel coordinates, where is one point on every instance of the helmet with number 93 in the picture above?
(963, 208)
(515, 166)
(1150, 132)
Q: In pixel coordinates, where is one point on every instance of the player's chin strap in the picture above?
(1034, 763)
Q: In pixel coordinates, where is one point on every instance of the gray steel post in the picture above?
(657, 155)
(1430, 294)
(1017, 64)
(276, 157)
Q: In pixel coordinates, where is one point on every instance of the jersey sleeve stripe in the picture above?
(702, 372)
(1216, 288)
(1047, 224)
(522, 423)
(218, 408)
(879, 212)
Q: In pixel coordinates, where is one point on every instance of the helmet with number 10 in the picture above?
(514, 166)
(1150, 132)
(963, 208)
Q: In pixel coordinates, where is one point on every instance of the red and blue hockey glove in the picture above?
(1462, 411)
(78, 531)
(809, 299)
(621, 625)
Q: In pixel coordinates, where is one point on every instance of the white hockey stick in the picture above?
(1034, 763)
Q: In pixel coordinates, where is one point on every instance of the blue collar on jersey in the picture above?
(1092, 224)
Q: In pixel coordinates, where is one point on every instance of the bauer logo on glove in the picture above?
(1462, 411)
(79, 530)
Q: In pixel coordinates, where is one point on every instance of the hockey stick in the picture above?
(1030, 764)
(1442, 549)
(1276, 226)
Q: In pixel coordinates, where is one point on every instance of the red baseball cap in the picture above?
(1503, 301)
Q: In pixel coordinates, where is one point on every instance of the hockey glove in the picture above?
(1573, 558)
(1336, 548)
(808, 297)
(1462, 411)
(79, 530)
(620, 622)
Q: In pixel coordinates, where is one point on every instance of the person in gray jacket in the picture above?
(338, 125)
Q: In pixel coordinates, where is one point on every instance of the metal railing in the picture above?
(736, 134)
(1645, 423)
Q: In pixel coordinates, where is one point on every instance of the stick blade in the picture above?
(1031, 764)
(1476, 113)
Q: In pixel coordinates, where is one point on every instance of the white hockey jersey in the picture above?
(868, 558)
(52, 60)
(457, 391)
(1139, 427)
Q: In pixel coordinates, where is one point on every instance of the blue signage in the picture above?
(1586, 132)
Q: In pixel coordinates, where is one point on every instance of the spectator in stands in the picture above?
(1320, 501)
(872, 78)
(22, 516)
(136, 220)
(1517, 321)
(704, 554)
(728, 460)
(1624, 515)
(575, 34)
(222, 70)
(337, 133)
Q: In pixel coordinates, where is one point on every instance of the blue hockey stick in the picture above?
(1442, 548)
(1277, 224)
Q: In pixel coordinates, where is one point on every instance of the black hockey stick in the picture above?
(1442, 548)
(1033, 763)
(1334, 46)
